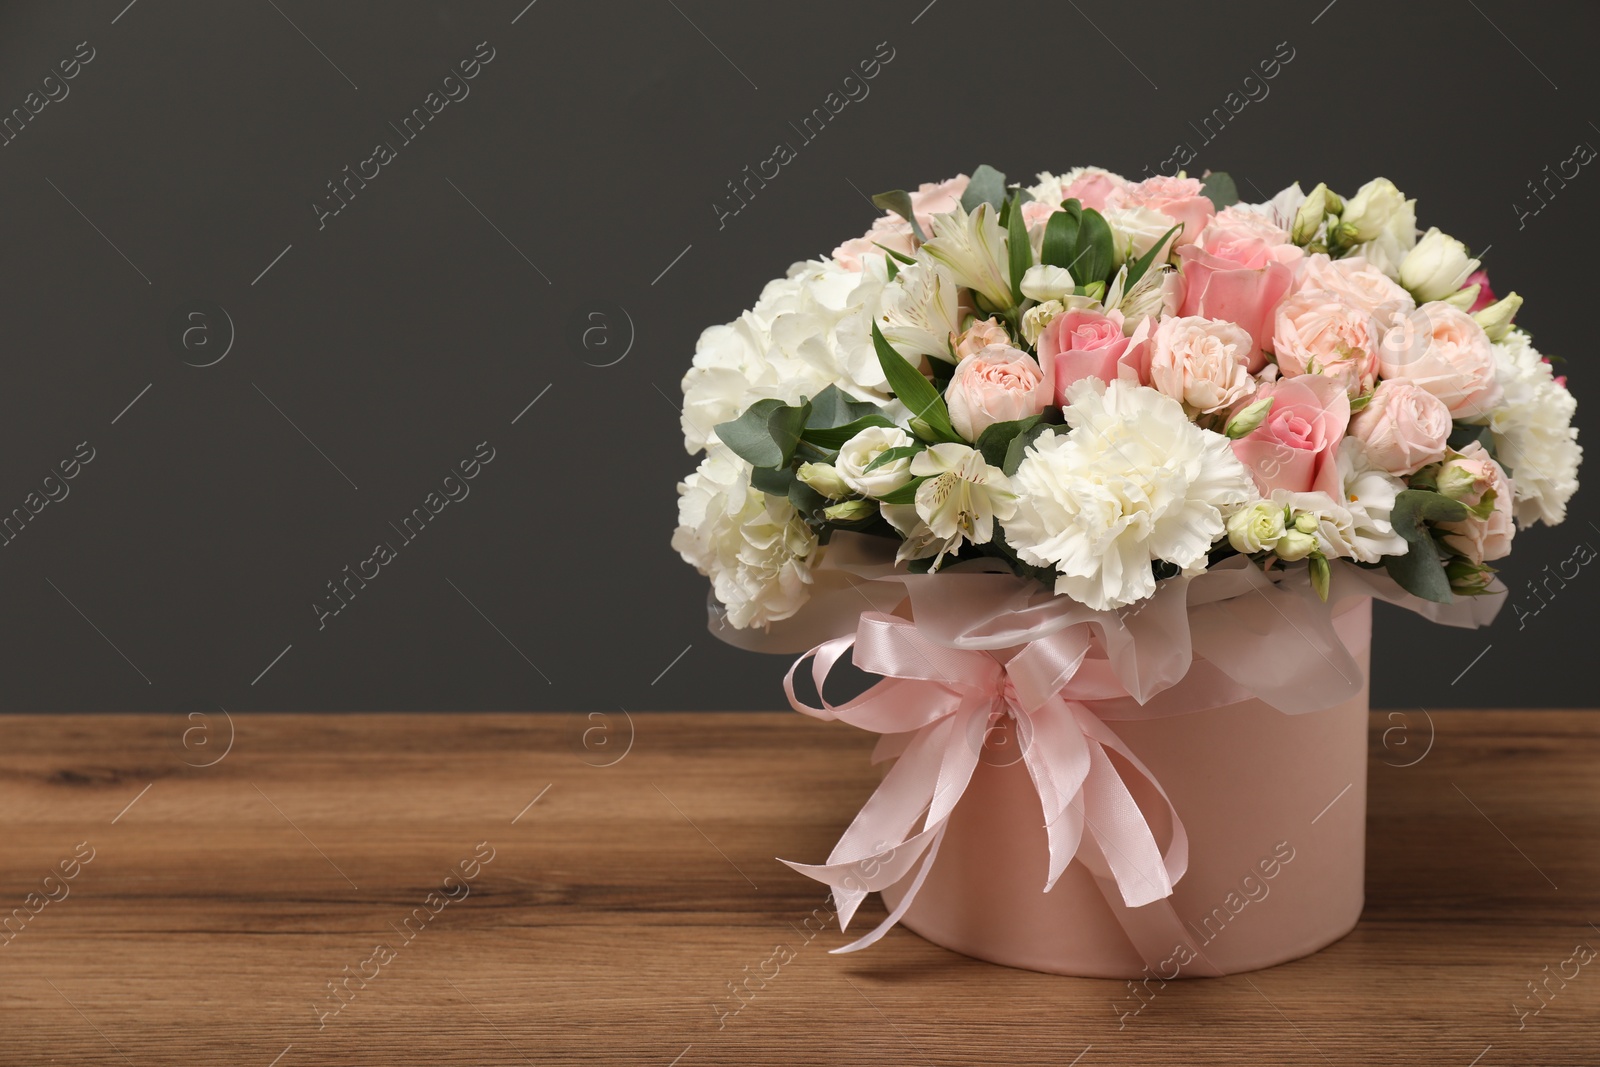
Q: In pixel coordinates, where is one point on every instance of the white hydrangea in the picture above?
(1135, 481)
(805, 333)
(756, 549)
(1533, 432)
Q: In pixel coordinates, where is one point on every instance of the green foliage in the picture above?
(995, 442)
(767, 433)
(1018, 248)
(1220, 189)
(899, 202)
(1421, 570)
(987, 186)
(913, 390)
(1017, 448)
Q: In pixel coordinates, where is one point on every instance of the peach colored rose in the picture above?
(1443, 350)
(1297, 447)
(1404, 427)
(980, 335)
(998, 384)
(1480, 540)
(1237, 270)
(892, 231)
(1179, 199)
(1318, 333)
(1201, 363)
(1087, 344)
(1357, 283)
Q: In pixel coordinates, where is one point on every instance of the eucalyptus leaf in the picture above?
(831, 407)
(995, 441)
(986, 186)
(785, 425)
(1017, 448)
(774, 481)
(1220, 189)
(750, 435)
(1463, 434)
(806, 500)
(834, 437)
(899, 202)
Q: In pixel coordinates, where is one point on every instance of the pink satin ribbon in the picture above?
(935, 707)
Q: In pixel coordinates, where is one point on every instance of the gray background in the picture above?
(377, 352)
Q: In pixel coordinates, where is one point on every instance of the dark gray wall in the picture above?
(381, 345)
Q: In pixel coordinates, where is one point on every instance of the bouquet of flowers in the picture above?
(1104, 383)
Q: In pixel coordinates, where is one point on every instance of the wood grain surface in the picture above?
(165, 911)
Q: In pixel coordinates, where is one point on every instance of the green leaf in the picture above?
(1420, 571)
(906, 494)
(774, 481)
(889, 455)
(1413, 507)
(834, 408)
(987, 186)
(899, 202)
(786, 424)
(1017, 449)
(750, 435)
(1060, 238)
(1464, 434)
(1097, 256)
(995, 441)
(1137, 268)
(894, 271)
(913, 390)
(1021, 252)
(892, 254)
(834, 437)
(806, 500)
(1219, 188)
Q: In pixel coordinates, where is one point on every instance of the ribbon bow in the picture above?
(935, 708)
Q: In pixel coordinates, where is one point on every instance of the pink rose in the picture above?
(1237, 271)
(980, 335)
(1318, 333)
(1036, 213)
(1179, 199)
(1093, 188)
(1087, 344)
(998, 384)
(1404, 427)
(1201, 363)
(1471, 474)
(892, 231)
(1296, 448)
(1443, 350)
(1486, 296)
(1358, 284)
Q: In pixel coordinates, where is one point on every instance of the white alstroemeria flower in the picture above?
(962, 497)
(1133, 482)
(973, 247)
(1044, 282)
(920, 311)
(1159, 292)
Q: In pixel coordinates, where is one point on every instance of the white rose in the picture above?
(1436, 267)
(1202, 363)
(859, 452)
(755, 548)
(1383, 223)
(1135, 231)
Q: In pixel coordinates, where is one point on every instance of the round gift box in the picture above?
(1275, 810)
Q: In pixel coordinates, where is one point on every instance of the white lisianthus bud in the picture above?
(1256, 528)
(1496, 318)
(1463, 299)
(1437, 267)
(1044, 282)
(1375, 209)
(1295, 544)
(850, 511)
(1248, 419)
(824, 478)
(1305, 522)
(1036, 318)
(1309, 218)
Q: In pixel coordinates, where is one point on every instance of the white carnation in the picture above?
(806, 332)
(1135, 481)
(1533, 432)
(756, 549)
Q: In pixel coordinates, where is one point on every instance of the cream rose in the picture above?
(1404, 426)
(858, 453)
(1201, 363)
(998, 384)
(1359, 284)
(1443, 350)
(1317, 332)
(980, 335)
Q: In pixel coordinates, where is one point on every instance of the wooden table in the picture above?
(611, 904)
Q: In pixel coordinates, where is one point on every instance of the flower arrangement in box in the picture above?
(1089, 459)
